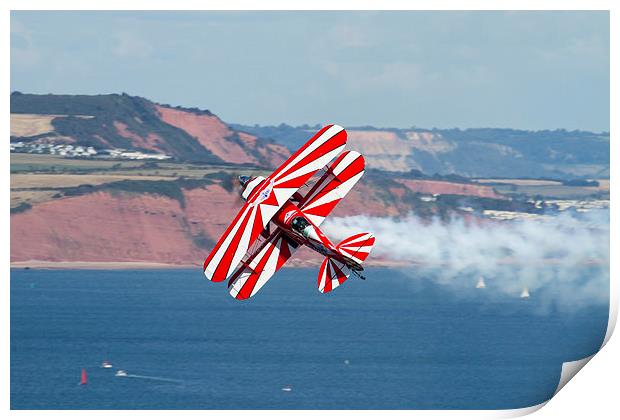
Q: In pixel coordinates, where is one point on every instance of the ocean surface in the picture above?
(394, 341)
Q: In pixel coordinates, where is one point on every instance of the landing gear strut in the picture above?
(358, 275)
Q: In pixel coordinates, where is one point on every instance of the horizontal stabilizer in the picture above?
(357, 247)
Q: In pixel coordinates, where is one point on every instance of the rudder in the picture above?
(332, 274)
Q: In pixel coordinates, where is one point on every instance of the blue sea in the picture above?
(393, 341)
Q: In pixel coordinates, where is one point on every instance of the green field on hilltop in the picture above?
(28, 162)
(36, 178)
(44, 163)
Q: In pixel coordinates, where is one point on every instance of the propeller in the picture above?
(238, 201)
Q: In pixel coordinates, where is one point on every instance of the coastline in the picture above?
(96, 265)
(295, 263)
(148, 265)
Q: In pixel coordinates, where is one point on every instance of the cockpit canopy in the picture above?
(299, 224)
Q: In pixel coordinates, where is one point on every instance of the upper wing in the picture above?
(337, 181)
(269, 258)
(268, 197)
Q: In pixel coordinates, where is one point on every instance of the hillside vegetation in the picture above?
(132, 123)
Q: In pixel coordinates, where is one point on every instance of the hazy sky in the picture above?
(531, 70)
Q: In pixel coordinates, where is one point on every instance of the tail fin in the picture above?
(333, 273)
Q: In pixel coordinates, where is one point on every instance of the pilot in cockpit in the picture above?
(299, 225)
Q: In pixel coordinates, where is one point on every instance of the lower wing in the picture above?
(264, 262)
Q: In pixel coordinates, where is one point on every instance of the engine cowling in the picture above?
(284, 218)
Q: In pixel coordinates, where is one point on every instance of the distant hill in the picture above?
(193, 135)
(478, 152)
(131, 122)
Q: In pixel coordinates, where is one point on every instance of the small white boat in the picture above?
(287, 389)
(120, 373)
(525, 293)
(480, 284)
(106, 365)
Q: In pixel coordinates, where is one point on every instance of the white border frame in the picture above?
(596, 384)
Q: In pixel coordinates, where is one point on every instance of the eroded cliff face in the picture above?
(143, 227)
(123, 226)
(389, 151)
(216, 136)
(103, 227)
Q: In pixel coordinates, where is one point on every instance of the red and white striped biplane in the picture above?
(277, 218)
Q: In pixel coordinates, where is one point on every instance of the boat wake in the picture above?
(152, 378)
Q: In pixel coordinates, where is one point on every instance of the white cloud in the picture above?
(23, 51)
(131, 45)
(363, 77)
(442, 69)
(350, 36)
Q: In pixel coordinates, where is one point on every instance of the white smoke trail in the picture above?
(568, 255)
